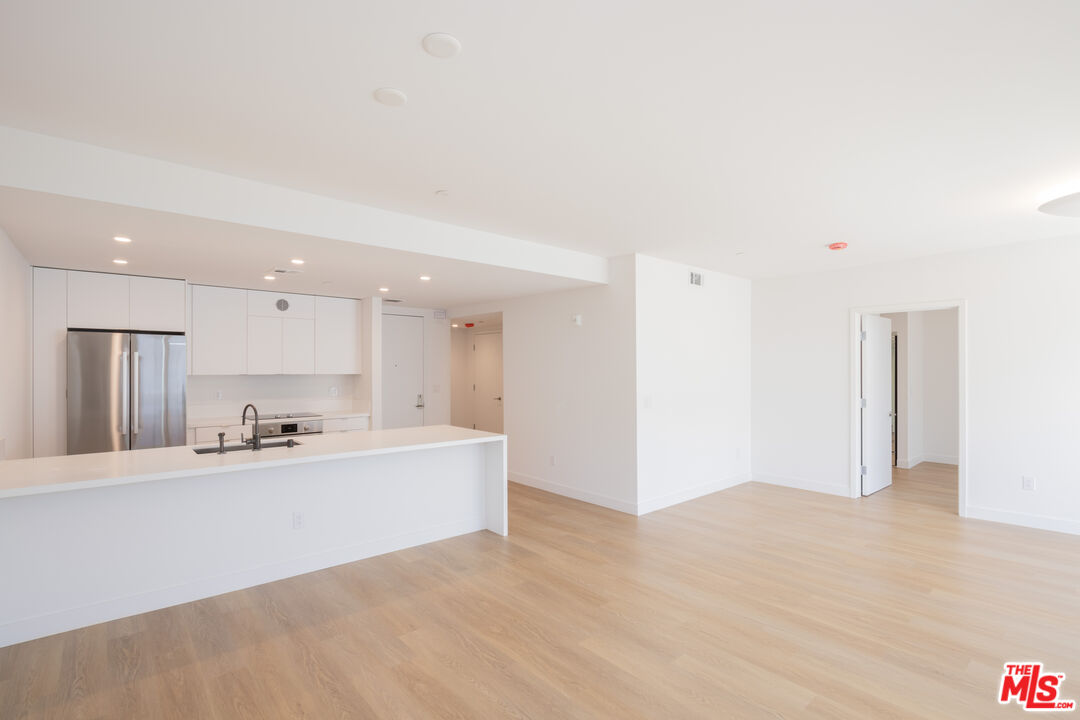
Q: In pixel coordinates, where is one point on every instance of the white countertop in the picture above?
(34, 476)
(235, 419)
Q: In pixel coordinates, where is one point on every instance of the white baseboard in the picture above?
(658, 503)
(908, 463)
(572, 492)
(1040, 522)
(943, 459)
(38, 626)
(801, 484)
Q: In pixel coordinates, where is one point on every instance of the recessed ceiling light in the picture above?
(453, 324)
(390, 96)
(268, 277)
(441, 45)
(838, 246)
(297, 261)
(121, 238)
(384, 289)
(425, 278)
(120, 261)
(1066, 206)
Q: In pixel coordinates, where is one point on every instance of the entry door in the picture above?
(488, 395)
(876, 403)
(403, 371)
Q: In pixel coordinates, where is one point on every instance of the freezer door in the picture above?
(98, 392)
(158, 397)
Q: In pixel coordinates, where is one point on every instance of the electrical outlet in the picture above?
(298, 521)
(219, 395)
(333, 391)
(1027, 482)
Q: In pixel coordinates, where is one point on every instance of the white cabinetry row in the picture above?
(103, 301)
(252, 332)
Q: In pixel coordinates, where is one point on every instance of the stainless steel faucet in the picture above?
(256, 439)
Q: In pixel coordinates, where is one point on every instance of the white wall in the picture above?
(693, 383)
(927, 386)
(569, 390)
(16, 298)
(269, 393)
(1023, 391)
(941, 422)
(436, 362)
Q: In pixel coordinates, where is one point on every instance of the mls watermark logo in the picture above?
(1032, 688)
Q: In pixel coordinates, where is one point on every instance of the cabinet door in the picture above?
(98, 301)
(157, 305)
(218, 331)
(337, 336)
(298, 346)
(261, 302)
(264, 345)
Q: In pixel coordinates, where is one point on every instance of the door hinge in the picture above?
(863, 470)
(862, 402)
(862, 336)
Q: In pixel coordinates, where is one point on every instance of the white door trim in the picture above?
(855, 487)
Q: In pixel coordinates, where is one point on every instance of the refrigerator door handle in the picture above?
(135, 414)
(125, 404)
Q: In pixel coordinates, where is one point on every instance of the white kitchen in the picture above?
(189, 439)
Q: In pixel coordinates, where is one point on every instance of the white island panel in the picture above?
(108, 547)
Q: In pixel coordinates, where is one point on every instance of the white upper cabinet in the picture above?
(337, 336)
(264, 345)
(157, 304)
(298, 346)
(219, 326)
(280, 305)
(99, 301)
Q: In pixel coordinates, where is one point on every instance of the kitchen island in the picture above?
(90, 538)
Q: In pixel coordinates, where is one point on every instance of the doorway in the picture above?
(908, 411)
(402, 371)
(476, 369)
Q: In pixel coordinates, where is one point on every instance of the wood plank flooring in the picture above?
(756, 602)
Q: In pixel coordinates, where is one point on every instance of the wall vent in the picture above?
(391, 300)
(695, 278)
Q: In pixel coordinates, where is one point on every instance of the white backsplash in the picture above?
(269, 393)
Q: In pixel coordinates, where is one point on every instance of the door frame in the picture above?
(855, 321)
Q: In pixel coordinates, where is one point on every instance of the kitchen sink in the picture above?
(214, 449)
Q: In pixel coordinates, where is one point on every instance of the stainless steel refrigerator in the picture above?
(125, 391)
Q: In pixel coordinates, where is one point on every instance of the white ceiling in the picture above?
(687, 130)
(56, 231)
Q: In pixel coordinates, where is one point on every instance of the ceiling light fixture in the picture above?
(453, 324)
(425, 278)
(390, 96)
(121, 239)
(268, 277)
(384, 289)
(838, 246)
(297, 261)
(441, 45)
(120, 261)
(1065, 206)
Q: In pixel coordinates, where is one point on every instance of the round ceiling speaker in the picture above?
(390, 96)
(441, 45)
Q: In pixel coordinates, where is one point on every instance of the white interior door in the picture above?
(402, 371)
(876, 403)
(488, 393)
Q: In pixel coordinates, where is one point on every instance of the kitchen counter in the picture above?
(33, 476)
(89, 538)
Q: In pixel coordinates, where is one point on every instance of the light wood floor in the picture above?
(757, 602)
